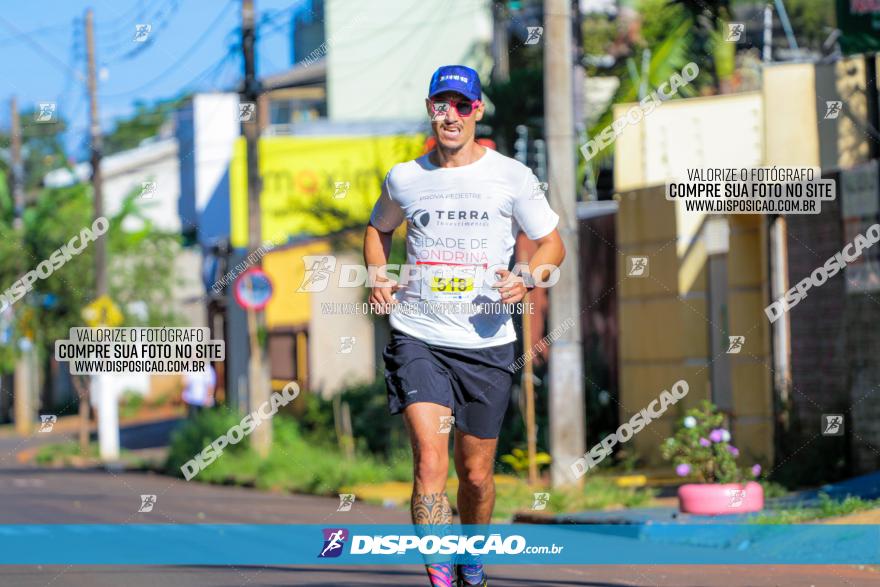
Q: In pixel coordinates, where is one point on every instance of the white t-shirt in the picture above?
(199, 387)
(462, 224)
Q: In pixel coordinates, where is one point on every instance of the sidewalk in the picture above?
(70, 424)
(144, 434)
(866, 487)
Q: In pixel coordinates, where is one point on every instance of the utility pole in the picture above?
(566, 410)
(257, 373)
(17, 168)
(97, 147)
(23, 398)
(108, 408)
(500, 51)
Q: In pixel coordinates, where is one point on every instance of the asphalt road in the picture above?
(51, 496)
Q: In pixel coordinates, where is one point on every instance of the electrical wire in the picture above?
(17, 37)
(157, 23)
(190, 51)
(39, 48)
(76, 53)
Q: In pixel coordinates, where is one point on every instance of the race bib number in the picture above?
(448, 283)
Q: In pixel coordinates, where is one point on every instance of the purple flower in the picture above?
(756, 470)
(733, 450)
(716, 435)
(683, 470)
(704, 442)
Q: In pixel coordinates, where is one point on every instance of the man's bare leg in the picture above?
(475, 465)
(430, 504)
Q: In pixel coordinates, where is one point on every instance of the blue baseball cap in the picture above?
(456, 78)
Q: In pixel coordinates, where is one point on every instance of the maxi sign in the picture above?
(312, 185)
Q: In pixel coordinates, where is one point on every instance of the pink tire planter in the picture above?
(721, 498)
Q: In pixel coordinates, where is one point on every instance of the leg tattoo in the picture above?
(431, 508)
(432, 514)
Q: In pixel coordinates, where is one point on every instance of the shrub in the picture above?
(598, 493)
(701, 446)
(195, 434)
(130, 403)
(519, 460)
(375, 430)
(296, 462)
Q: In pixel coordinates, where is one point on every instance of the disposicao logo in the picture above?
(334, 541)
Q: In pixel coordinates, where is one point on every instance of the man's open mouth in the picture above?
(451, 132)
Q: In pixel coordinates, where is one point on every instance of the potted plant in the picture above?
(701, 448)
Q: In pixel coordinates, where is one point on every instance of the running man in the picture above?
(464, 205)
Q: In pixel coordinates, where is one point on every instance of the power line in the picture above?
(39, 48)
(214, 71)
(75, 47)
(131, 15)
(127, 51)
(21, 35)
(122, 28)
(186, 54)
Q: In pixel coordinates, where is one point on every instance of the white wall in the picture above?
(207, 129)
(381, 54)
(329, 370)
(157, 163)
(124, 172)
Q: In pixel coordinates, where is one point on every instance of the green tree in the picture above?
(520, 100)
(42, 148)
(140, 266)
(811, 20)
(143, 124)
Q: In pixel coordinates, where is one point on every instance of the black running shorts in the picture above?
(474, 383)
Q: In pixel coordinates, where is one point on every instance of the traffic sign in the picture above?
(253, 289)
(102, 312)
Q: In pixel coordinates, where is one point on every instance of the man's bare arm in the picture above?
(550, 252)
(377, 249)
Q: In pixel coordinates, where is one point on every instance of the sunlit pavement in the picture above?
(40, 496)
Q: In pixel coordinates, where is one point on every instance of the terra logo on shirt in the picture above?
(461, 214)
(421, 218)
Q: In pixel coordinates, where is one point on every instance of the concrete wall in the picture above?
(665, 322)
(664, 319)
(332, 370)
(834, 340)
(662, 337)
(698, 132)
(329, 370)
(795, 97)
(790, 115)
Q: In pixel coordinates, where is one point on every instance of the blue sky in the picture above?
(37, 66)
